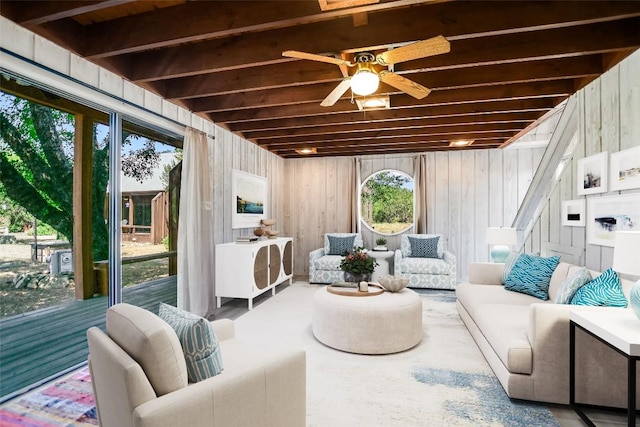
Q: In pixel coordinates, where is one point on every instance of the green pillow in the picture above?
(199, 342)
(531, 275)
(571, 284)
(605, 291)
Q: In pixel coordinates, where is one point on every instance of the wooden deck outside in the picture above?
(45, 342)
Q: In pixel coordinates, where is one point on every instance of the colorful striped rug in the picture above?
(66, 402)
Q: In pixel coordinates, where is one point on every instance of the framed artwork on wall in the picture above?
(606, 215)
(248, 199)
(625, 169)
(573, 213)
(592, 174)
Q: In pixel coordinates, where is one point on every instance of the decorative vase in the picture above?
(357, 278)
(635, 299)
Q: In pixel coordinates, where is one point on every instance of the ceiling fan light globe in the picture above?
(364, 82)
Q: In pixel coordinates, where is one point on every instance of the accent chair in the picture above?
(139, 378)
(423, 260)
(324, 262)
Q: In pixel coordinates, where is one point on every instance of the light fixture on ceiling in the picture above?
(305, 151)
(365, 81)
(461, 143)
(374, 103)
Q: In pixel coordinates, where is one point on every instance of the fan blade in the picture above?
(412, 88)
(314, 57)
(335, 94)
(421, 49)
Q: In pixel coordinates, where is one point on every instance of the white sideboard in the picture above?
(246, 270)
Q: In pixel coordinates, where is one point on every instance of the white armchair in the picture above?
(139, 378)
(438, 272)
(324, 262)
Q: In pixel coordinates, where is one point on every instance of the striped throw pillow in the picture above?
(531, 275)
(605, 290)
(199, 342)
(424, 247)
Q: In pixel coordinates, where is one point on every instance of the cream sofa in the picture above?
(526, 341)
(139, 378)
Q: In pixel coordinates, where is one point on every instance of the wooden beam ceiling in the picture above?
(509, 64)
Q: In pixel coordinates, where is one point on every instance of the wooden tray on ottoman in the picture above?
(349, 291)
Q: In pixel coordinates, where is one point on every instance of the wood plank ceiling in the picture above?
(510, 63)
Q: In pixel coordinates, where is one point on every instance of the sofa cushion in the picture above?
(505, 327)
(424, 248)
(199, 342)
(604, 290)
(152, 343)
(571, 284)
(472, 295)
(328, 262)
(340, 245)
(405, 245)
(531, 275)
(424, 266)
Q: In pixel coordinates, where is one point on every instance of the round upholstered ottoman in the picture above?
(380, 324)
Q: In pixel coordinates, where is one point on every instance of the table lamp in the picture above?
(501, 238)
(626, 260)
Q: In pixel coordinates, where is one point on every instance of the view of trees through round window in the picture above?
(386, 202)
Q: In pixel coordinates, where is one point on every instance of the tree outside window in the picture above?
(386, 202)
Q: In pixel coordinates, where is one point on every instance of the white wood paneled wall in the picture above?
(467, 192)
(232, 152)
(608, 120)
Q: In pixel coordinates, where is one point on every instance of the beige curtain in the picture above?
(420, 189)
(195, 225)
(355, 195)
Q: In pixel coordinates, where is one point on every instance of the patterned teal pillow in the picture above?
(424, 247)
(199, 342)
(531, 275)
(605, 290)
(340, 245)
(571, 284)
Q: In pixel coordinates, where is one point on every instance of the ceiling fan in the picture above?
(366, 79)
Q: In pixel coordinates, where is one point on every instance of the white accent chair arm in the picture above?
(224, 329)
(397, 260)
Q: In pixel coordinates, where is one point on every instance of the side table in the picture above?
(618, 329)
(382, 268)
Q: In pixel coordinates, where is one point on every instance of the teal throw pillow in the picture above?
(424, 247)
(531, 275)
(340, 245)
(199, 342)
(571, 284)
(605, 290)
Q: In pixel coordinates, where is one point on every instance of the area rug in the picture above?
(66, 402)
(444, 381)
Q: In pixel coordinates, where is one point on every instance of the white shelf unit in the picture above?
(246, 270)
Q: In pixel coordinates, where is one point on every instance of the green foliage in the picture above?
(43, 230)
(12, 215)
(166, 170)
(358, 262)
(381, 241)
(165, 242)
(386, 199)
(36, 167)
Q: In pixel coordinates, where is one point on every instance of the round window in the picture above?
(386, 202)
